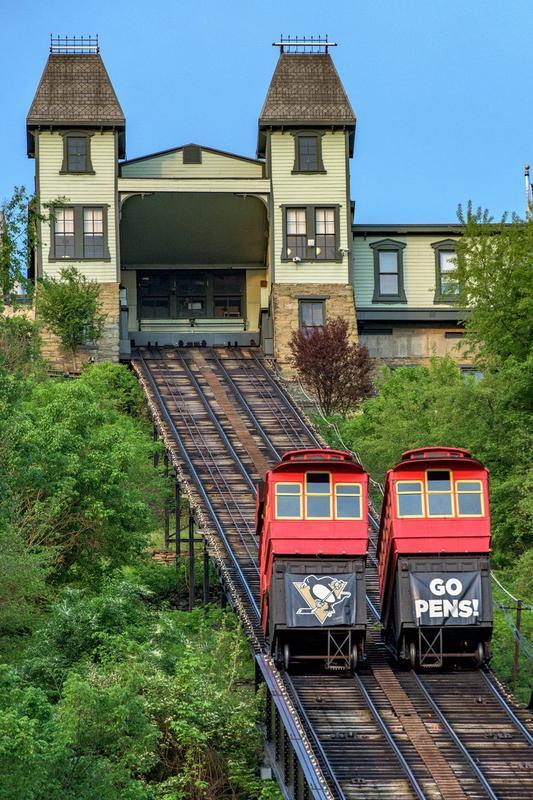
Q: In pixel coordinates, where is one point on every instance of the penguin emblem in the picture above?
(322, 595)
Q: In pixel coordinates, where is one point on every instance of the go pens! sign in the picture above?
(446, 599)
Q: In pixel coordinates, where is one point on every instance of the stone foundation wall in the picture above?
(339, 302)
(106, 349)
(407, 345)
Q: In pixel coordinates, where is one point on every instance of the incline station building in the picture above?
(197, 245)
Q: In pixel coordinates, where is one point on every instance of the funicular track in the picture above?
(385, 733)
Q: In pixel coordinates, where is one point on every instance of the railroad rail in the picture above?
(385, 733)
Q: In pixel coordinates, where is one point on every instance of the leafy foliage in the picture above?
(109, 694)
(495, 273)
(79, 472)
(20, 345)
(436, 405)
(146, 703)
(18, 236)
(337, 372)
(70, 307)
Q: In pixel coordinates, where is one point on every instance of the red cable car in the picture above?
(313, 541)
(433, 557)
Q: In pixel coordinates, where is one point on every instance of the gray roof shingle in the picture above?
(306, 89)
(75, 89)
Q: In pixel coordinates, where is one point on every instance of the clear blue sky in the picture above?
(441, 88)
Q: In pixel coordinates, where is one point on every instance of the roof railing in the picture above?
(62, 45)
(304, 44)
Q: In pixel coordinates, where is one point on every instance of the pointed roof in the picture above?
(305, 90)
(75, 89)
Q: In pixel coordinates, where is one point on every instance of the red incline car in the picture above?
(433, 554)
(313, 540)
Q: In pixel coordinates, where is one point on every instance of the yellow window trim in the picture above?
(440, 491)
(298, 486)
(478, 491)
(358, 493)
(319, 494)
(410, 491)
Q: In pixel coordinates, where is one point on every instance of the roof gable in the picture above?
(171, 164)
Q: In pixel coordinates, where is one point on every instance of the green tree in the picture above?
(20, 345)
(336, 371)
(436, 405)
(18, 237)
(78, 475)
(495, 274)
(70, 307)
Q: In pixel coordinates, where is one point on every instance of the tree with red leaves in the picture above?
(337, 372)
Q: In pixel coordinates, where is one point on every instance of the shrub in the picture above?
(70, 308)
(336, 372)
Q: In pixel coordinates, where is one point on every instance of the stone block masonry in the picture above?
(339, 302)
(106, 349)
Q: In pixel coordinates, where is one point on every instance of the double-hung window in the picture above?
(325, 247)
(296, 225)
(311, 315)
(77, 152)
(311, 233)
(446, 284)
(308, 152)
(388, 272)
(64, 244)
(79, 232)
(93, 232)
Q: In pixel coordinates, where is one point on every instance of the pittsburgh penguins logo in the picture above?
(322, 595)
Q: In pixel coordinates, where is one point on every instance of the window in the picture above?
(227, 300)
(64, 245)
(311, 233)
(77, 152)
(93, 233)
(311, 314)
(439, 493)
(388, 272)
(348, 501)
(192, 154)
(288, 500)
(325, 247)
(296, 232)
(318, 495)
(78, 233)
(308, 152)
(446, 285)
(469, 498)
(410, 499)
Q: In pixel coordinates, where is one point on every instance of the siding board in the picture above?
(170, 165)
(312, 189)
(418, 271)
(97, 189)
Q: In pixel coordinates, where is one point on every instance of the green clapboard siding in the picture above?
(418, 271)
(170, 165)
(97, 189)
(313, 189)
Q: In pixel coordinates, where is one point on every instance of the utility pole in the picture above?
(529, 191)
